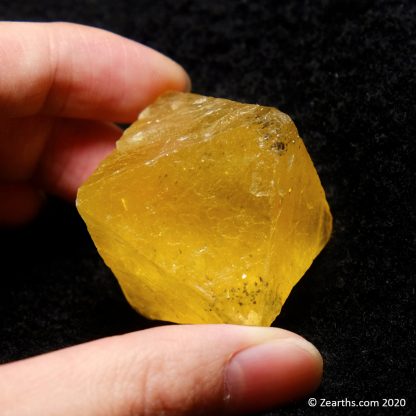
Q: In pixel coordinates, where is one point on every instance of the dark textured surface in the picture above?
(345, 72)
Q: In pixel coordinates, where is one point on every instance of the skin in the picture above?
(62, 87)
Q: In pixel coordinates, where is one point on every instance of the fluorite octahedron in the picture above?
(208, 211)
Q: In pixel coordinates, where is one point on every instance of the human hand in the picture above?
(61, 87)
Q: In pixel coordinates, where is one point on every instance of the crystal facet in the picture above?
(208, 211)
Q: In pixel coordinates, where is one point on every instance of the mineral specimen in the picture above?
(208, 211)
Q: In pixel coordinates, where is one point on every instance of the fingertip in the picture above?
(189, 369)
(185, 82)
(177, 77)
(272, 374)
(154, 73)
(76, 71)
(116, 77)
(188, 83)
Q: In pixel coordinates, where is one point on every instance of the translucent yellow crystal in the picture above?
(208, 211)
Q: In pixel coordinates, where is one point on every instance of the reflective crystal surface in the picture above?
(208, 211)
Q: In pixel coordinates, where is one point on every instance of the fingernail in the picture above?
(182, 77)
(188, 86)
(179, 79)
(271, 374)
(188, 83)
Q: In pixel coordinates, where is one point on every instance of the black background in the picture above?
(345, 72)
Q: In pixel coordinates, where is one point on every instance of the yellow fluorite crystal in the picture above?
(208, 211)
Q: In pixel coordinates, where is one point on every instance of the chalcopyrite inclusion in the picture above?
(208, 211)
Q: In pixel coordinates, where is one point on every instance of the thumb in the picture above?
(170, 370)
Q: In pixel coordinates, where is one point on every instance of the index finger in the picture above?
(71, 70)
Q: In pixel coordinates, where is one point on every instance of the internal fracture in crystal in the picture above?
(208, 211)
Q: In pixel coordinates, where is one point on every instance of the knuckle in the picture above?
(162, 389)
(162, 386)
(163, 381)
